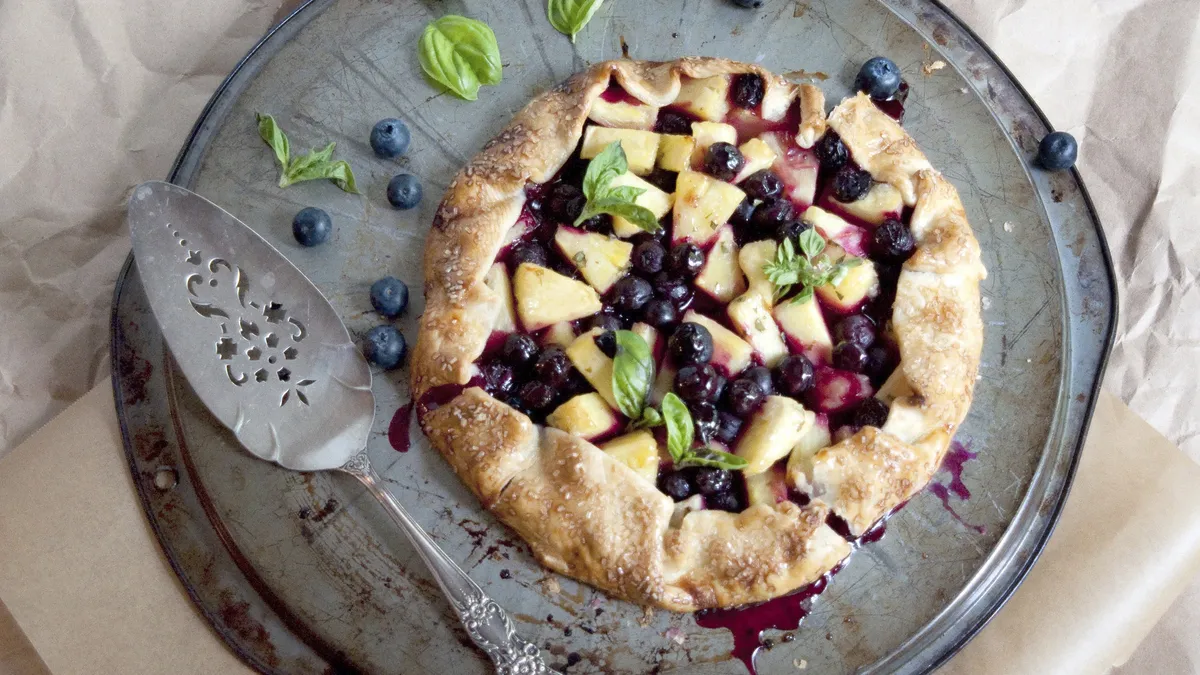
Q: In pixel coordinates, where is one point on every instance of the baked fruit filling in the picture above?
(733, 324)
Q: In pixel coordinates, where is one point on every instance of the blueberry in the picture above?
(685, 260)
(677, 486)
(855, 328)
(672, 122)
(711, 481)
(564, 202)
(691, 344)
(389, 297)
(648, 257)
(385, 347)
(879, 361)
(672, 288)
(553, 367)
(730, 427)
(519, 350)
(605, 322)
(606, 342)
(498, 379)
(850, 356)
(663, 180)
(762, 185)
(602, 223)
(760, 375)
(745, 397)
(723, 161)
(791, 230)
(749, 4)
(879, 77)
(311, 226)
(1057, 151)
(537, 395)
(630, 293)
(871, 413)
(660, 313)
(831, 151)
(743, 213)
(706, 421)
(892, 241)
(794, 375)
(772, 213)
(696, 384)
(851, 184)
(532, 253)
(404, 191)
(725, 501)
(747, 90)
(389, 138)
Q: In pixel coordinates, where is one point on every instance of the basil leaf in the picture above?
(650, 418)
(811, 243)
(339, 172)
(270, 132)
(306, 167)
(633, 373)
(603, 168)
(460, 54)
(716, 459)
(624, 193)
(638, 215)
(679, 427)
(570, 16)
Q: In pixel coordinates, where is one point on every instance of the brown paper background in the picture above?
(97, 96)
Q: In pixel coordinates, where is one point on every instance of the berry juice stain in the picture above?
(953, 463)
(397, 432)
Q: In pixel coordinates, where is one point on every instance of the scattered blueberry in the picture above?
(879, 77)
(772, 213)
(745, 397)
(794, 375)
(1057, 151)
(850, 356)
(711, 481)
(648, 257)
(630, 293)
(311, 226)
(672, 288)
(696, 384)
(537, 395)
(871, 413)
(725, 501)
(671, 122)
(730, 427)
(519, 350)
(553, 367)
(749, 4)
(855, 328)
(893, 241)
(706, 421)
(723, 161)
(760, 375)
(605, 322)
(660, 313)
(532, 253)
(389, 297)
(385, 347)
(879, 360)
(677, 486)
(791, 230)
(743, 213)
(691, 344)
(747, 90)
(685, 260)
(831, 151)
(762, 185)
(389, 138)
(498, 379)
(606, 342)
(851, 184)
(663, 180)
(601, 223)
(404, 191)
(564, 202)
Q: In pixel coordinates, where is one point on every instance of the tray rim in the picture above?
(309, 9)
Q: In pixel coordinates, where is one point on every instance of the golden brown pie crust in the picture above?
(587, 515)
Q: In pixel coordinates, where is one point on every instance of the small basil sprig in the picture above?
(633, 375)
(314, 165)
(602, 197)
(807, 269)
(681, 436)
(460, 54)
(570, 16)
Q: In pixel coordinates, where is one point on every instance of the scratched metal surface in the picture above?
(304, 574)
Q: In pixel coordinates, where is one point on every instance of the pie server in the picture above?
(270, 358)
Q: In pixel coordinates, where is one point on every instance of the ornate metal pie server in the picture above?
(270, 358)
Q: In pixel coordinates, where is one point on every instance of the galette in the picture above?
(689, 334)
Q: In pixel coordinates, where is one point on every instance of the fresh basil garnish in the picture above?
(602, 197)
(633, 373)
(570, 16)
(650, 418)
(313, 165)
(460, 54)
(809, 268)
(715, 459)
(680, 430)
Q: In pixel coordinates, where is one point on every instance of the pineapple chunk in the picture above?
(768, 488)
(586, 416)
(751, 259)
(828, 225)
(623, 114)
(882, 202)
(654, 199)
(561, 334)
(730, 352)
(759, 156)
(707, 133)
(638, 451)
(799, 465)
(653, 340)
(641, 147)
(497, 280)
(675, 152)
(721, 278)
(594, 365)
(751, 315)
(664, 382)
(859, 284)
(702, 204)
(545, 297)
(805, 329)
(777, 100)
(706, 98)
(774, 430)
(683, 508)
(600, 259)
(896, 386)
